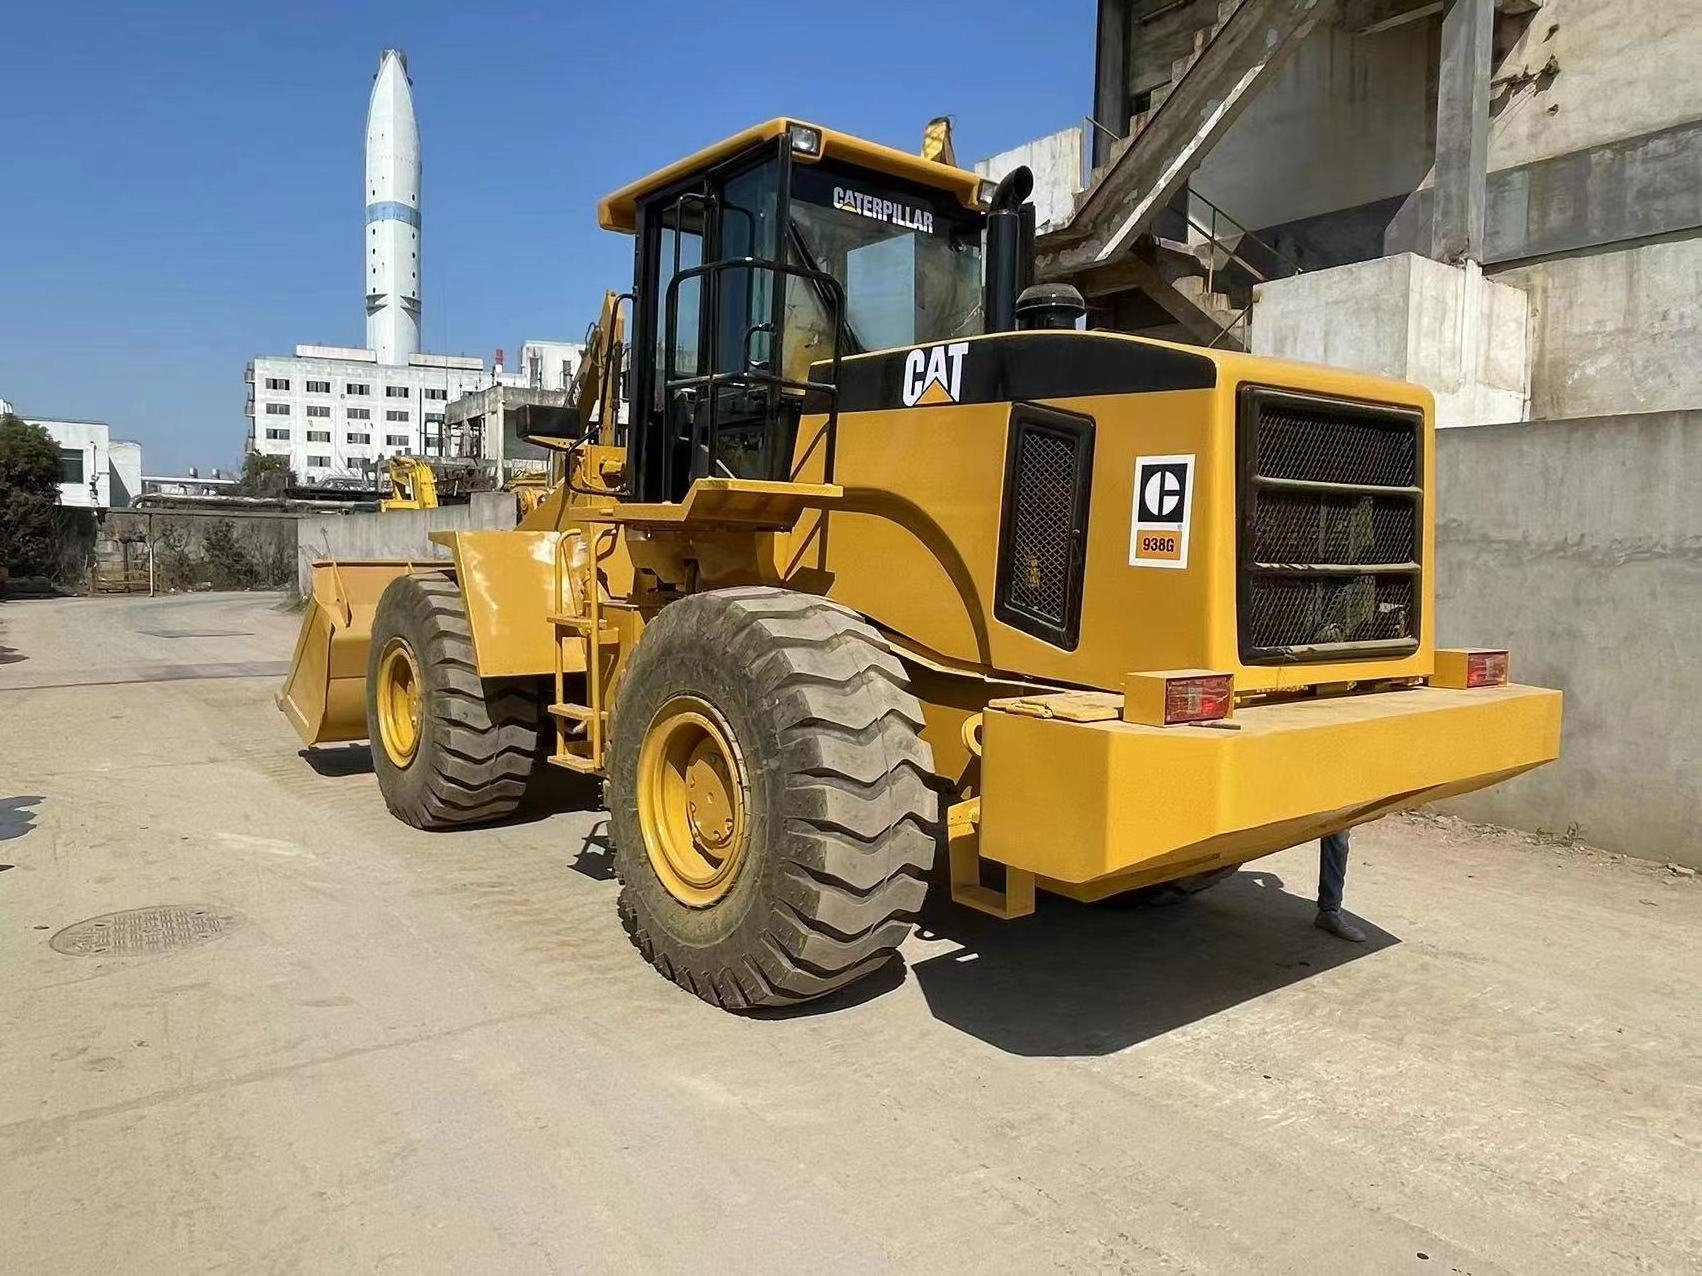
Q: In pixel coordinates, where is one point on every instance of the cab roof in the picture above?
(619, 211)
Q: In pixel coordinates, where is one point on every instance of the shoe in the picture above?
(1339, 926)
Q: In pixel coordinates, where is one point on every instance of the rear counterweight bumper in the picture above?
(1115, 804)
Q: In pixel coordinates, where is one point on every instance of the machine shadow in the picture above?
(336, 763)
(596, 857)
(1078, 979)
(549, 791)
(16, 818)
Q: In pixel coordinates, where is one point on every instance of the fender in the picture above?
(508, 579)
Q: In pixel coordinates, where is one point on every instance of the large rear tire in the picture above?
(449, 747)
(770, 797)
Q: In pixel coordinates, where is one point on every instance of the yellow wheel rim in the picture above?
(399, 702)
(691, 801)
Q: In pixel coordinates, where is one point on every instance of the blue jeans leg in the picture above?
(1332, 871)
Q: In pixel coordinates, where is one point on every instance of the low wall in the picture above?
(1578, 544)
(398, 534)
(216, 546)
(1615, 331)
(1448, 328)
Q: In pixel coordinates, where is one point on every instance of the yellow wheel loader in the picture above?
(888, 565)
(417, 483)
(413, 484)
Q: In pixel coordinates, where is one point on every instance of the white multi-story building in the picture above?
(96, 471)
(336, 411)
(544, 365)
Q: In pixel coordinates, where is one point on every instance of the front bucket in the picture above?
(324, 696)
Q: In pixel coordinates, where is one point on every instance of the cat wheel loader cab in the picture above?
(882, 563)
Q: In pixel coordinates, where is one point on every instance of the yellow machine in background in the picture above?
(889, 564)
(413, 484)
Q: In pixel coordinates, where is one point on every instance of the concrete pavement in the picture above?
(419, 1053)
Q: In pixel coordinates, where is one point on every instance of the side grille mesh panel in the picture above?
(1043, 523)
(1301, 597)
(1045, 495)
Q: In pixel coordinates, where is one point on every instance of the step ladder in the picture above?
(582, 729)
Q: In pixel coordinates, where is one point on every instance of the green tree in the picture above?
(264, 476)
(229, 564)
(29, 497)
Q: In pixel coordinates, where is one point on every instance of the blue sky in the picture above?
(180, 185)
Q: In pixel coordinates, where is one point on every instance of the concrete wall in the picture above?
(1460, 335)
(1624, 67)
(1160, 33)
(126, 477)
(550, 365)
(398, 534)
(1578, 544)
(1056, 162)
(1615, 331)
(258, 553)
(1636, 188)
(1347, 120)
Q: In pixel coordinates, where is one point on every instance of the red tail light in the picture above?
(1203, 699)
(1462, 667)
(1486, 669)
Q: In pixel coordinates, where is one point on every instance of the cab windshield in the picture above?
(908, 260)
(714, 395)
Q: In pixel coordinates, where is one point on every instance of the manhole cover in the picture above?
(161, 928)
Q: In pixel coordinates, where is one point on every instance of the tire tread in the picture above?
(481, 756)
(858, 822)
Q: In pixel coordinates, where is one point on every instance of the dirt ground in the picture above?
(420, 1053)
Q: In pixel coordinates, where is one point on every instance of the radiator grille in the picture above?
(1336, 444)
(1044, 522)
(1306, 527)
(1330, 528)
(1290, 611)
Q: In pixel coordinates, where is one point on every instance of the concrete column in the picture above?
(1111, 77)
(1462, 131)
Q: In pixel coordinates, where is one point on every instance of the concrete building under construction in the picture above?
(1500, 200)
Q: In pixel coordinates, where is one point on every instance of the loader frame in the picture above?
(1009, 595)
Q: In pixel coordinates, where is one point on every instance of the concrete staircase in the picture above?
(1137, 124)
(1228, 320)
(1106, 247)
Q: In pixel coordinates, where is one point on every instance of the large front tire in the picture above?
(449, 747)
(770, 797)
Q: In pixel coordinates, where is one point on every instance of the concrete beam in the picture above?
(1629, 189)
(1111, 78)
(1368, 17)
(1462, 131)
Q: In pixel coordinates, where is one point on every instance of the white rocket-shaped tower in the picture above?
(392, 214)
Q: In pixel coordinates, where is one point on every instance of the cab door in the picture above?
(711, 399)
